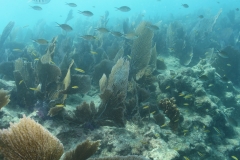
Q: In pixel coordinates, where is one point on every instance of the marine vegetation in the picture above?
(132, 81)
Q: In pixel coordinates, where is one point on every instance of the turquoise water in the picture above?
(56, 11)
(188, 53)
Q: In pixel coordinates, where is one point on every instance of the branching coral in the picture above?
(170, 109)
(28, 140)
(4, 98)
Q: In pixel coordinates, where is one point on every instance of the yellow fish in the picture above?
(186, 158)
(37, 89)
(93, 52)
(187, 96)
(52, 62)
(34, 53)
(59, 105)
(234, 157)
(185, 131)
(74, 87)
(167, 87)
(17, 50)
(200, 154)
(36, 59)
(79, 70)
(153, 112)
(181, 94)
(145, 107)
(164, 125)
(34, 89)
(176, 120)
(20, 82)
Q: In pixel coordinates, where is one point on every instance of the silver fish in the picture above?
(123, 8)
(38, 8)
(40, 1)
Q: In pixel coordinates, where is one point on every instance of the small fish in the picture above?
(206, 131)
(185, 5)
(164, 125)
(117, 34)
(71, 4)
(52, 62)
(224, 79)
(168, 87)
(171, 50)
(86, 13)
(201, 16)
(65, 27)
(217, 130)
(237, 9)
(203, 77)
(93, 52)
(59, 105)
(210, 85)
(34, 89)
(188, 96)
(88, 37)
(37, 8)
(185, 131)
(25, 26)
(153, 112)
(185, 104)
(145, 107)
(20, 82)
(131, 36)
(234, 157)
(229, 65)
(200, 154)
(123, 9)
(222, 54)
(181, 95)
(41, 41)
(41, 1)
(157, 135)
(186, 158)
(129, 57)
(74, 87)
(102, 30)
(36, 59)
(176, 120)
(152, 27)
(79, 70)
(17, 50)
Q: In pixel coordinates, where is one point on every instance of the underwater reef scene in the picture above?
(120, 80)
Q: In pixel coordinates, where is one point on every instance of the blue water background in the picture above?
(22, 14)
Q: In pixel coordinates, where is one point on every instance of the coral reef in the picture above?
(170, 109)
(29, 140)
(85, 112)
(141, 50)
(114, 90)
(82, 151)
